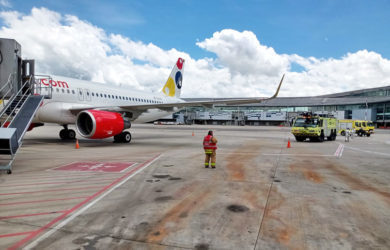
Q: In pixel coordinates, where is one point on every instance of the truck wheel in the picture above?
(360, 133)
(342, 133)
(299, 138)
(321, 137)
(368, 134)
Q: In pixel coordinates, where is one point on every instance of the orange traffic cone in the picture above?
(193, 134)
(77, 144)
(288, 143)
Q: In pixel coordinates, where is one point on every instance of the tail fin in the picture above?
(173, 85)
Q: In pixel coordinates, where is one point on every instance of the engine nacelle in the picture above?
(99, 124)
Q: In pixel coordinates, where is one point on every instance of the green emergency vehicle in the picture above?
(314, 127)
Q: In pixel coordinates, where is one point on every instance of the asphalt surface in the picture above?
(154, 193)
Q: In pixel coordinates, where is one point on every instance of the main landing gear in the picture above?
(124, 137)
(67, 134)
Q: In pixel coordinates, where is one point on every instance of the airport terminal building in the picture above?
(366, 104)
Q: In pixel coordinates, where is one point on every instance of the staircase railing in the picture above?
(22, 97)
(10, 87)
(40, 88)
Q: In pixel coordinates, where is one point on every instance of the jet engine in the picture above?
(99, 124)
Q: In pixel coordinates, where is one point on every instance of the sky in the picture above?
(232, 48)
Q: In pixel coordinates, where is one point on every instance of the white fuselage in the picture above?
(68, 93)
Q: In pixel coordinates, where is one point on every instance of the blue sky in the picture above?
(309, 28)
(231, 48)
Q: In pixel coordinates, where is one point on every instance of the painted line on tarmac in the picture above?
(53, 190)
(367, 151)
(40, 201)
(310, 155)
(109, 188)
(15, 234)
(60, 182)
(339, 151)
(30, 215)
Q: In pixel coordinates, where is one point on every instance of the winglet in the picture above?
(277, 91)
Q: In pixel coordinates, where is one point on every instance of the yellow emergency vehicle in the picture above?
(314, 127)
(360, 127)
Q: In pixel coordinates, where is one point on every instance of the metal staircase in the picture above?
(19, 108)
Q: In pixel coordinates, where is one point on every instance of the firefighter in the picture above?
(210, 147)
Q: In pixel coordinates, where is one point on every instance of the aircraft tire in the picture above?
(126, 137)
(71, 134)
(118, 138)
(63, 134)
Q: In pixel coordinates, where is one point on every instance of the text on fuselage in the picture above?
(53, 83)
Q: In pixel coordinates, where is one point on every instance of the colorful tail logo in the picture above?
(173, 85)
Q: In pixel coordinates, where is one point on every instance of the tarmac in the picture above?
(155, 193)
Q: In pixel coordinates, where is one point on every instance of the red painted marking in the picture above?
(60, 182)
(16, 234)
(29, 215)
(58, 175)
(179, 63)
(53, 190)
(59, 218)
(97, 166)
(40, 201)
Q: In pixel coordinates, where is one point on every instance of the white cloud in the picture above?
(5, 3)
(242, 53)
(66, 45)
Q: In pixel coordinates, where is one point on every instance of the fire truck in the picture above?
(360, 127)
(314, 127)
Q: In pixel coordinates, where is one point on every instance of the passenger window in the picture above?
(93, 94)
(63, 91)
(105, 95)
(68, 91)
(57, 90)
(73, 92)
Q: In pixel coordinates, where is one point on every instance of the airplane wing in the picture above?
(169, 106)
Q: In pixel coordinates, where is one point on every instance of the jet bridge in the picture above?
(20, 93)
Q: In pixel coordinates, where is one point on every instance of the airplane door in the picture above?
(80, 94)
(87, 95)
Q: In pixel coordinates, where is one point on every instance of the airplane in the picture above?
(101, 111)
